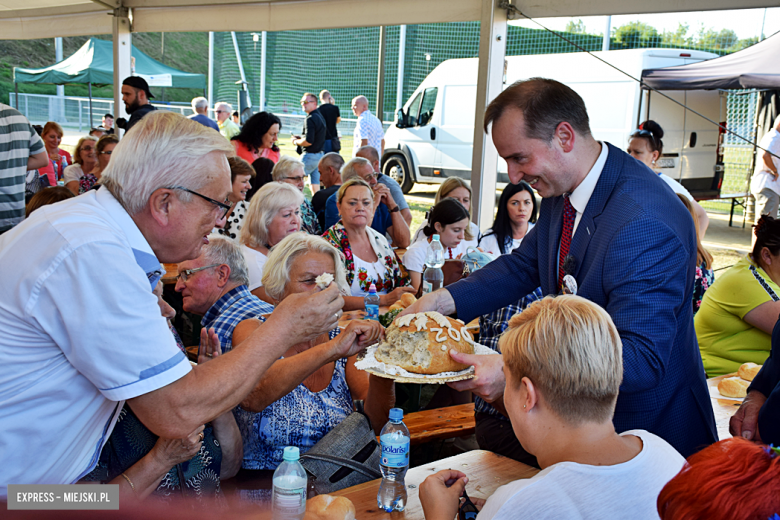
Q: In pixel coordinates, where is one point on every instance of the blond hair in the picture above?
(446, 187)
(265, 204)
(286, 166)
(163, 149)
(276, 272)
(354, 181)
(77, 152)
(571, 351)
(702, 255)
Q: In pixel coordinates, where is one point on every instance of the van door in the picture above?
(456, 133)
(422, 131)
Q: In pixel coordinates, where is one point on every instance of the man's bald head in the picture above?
(359, 105)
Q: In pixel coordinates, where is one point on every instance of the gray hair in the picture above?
(368, 152)
(276, 272)
(348, 170)
(163, 149)
(226, 106)
(333, 159)
(285, 167)
(200, 102)
(265, 204)
(220, 250)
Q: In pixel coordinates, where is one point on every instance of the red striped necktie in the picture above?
(568, 225)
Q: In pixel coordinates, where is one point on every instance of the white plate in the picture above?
(712, 386)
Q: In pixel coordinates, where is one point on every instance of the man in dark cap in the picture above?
(136, 95)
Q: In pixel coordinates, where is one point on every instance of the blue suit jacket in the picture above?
(767, 381)
(635, 252)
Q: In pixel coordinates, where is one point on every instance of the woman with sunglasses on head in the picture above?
(104, 148)
(645, 145)
(85, 161)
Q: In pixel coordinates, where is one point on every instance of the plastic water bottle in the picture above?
(60, 175)
(394, 440)
(433, 278)
(371, 301)
(288, 501)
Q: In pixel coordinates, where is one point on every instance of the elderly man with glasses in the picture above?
(82, 329)
(226, 125)
(313, 139)
(388, 219)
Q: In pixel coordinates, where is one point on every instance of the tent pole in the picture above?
(90, 104)
(380, 76)
(16, 89)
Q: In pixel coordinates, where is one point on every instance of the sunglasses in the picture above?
(643, 133)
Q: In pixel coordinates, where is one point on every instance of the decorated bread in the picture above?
(421, 342)
(748, 371)
(328, 507)
(733, 387)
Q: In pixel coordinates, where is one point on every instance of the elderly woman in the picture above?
(291, 171)
(58, 159)
(734, 323)
(241, 174)
(368, 257)
(310, 390)
(143, 464)
(452, 188)
(258, 138)
(105, 147)
(273, 214)
(85, 161)
(563, 365)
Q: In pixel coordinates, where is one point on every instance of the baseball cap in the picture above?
(138, 82)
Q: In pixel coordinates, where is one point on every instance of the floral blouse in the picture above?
(309, 221)
(703, 280)
(396, 275)
(86, 182)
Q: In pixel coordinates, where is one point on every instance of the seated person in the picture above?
(704, 276)
(733, 479)
(368, 257)
(263, 168)
(85, 160)
(214, 286)
(47, 196)
(450, 220)
(310, 390)
(452, 188)
(563, 363)
(104, 148)
(292, 172)
(143, 464)
(371, 153)
(758, 418)
(273, 214)
(330, 178)
(241, 174)
(738, 312)
(387, 219)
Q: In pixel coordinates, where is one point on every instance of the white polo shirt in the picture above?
(81, 332)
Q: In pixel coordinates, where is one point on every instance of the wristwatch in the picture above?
(395, 209)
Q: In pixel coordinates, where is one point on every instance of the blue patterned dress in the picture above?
(300, 418)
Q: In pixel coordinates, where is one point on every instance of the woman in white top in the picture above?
(515, 217)
(563, 364)
(84, 161)
(273, 214)
(368, 258)
(646, 146)
(458, 189)
(241, 174)
(448, 219)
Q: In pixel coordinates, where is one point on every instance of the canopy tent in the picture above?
(755, 67)
(94, 63)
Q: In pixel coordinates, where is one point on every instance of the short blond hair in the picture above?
(276, 271)
(354, 181)
(285, 167)
(265, 204)
(571, 350)
(77, 152)
(163, 149)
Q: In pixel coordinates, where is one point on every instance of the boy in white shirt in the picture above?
(563, 365)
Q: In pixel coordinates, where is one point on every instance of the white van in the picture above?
(432, 136)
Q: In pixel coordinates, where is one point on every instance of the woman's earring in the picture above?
(523, 406)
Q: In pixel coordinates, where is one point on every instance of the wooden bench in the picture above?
(440, 423)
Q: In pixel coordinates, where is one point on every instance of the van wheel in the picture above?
(396, 168)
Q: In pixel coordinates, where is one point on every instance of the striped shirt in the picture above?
(18, 141)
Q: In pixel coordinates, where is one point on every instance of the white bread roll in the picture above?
(749, 370)
(327, 507)
(733, 387)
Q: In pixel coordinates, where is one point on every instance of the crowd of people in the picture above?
(604, 390)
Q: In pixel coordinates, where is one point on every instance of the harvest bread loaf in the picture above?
(420, 343)
(327, 507)
(748, 371)
(733, 387)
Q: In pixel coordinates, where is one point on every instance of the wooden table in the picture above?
(171, 274)
(723, 409)
(440, 423)
(486, 471)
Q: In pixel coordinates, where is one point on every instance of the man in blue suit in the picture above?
(631, 248)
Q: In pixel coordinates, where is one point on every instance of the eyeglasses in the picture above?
(184, 275)
(221, 111)
(370, 176)
(105, 153)
(87, 148)
(296, 179)
(224, 205)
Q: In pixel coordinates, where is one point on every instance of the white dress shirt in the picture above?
(581, 195)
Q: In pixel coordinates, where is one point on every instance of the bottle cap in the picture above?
(436, 237)
(372, 289)
(396, 414)
(292, 453)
